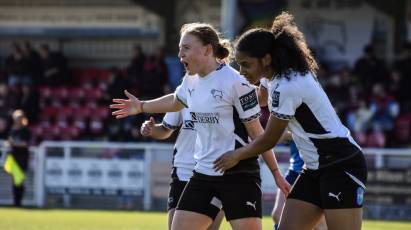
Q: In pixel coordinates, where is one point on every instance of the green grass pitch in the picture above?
(56, 219)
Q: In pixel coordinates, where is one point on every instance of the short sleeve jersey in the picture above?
(296, 163)
(219, 104)
(183, 156)
(317, 131)
(264, 82)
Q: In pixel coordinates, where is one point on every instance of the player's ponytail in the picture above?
(290, 46)
(223, 50)
(284, 42)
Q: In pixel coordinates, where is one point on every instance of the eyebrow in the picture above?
(242, 63)
(184, 45)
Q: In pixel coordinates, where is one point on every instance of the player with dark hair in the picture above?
(333, 180)
(295, 167)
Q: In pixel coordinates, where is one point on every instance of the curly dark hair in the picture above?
(284, 42)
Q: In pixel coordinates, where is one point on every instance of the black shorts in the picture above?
(176, 189)
(291, 176)
(335, 187)
(239, 195)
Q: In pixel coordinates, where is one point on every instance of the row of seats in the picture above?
(69, 131)
(90, 76)
(70, 113)
(59, 113)
(72, 93)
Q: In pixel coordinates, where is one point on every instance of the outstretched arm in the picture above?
(133, 106)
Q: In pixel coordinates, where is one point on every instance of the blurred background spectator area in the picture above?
(62, 61)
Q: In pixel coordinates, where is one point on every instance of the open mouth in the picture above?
(185, 64)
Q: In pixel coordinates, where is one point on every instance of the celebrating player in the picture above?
(224, 109)
(333, 182)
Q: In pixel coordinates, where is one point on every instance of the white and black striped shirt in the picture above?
(321, 138)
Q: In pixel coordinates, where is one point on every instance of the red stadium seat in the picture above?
(70, 133)
(76, 95)
(82, 112)
(49, 113)
(45, 92)
(61, 93)
(51, 132)
(101, 112)
(93, 94)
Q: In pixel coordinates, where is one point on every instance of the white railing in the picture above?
(151, 153)
(148, 150)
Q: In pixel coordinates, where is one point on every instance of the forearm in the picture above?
(260, 144)
(256, 132)
(263, 140)
(167, 103)
(159, 132)
(270, 160)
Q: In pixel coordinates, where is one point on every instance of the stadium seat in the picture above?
(60, 93)
(45, 92)
(76, 95)
(49, 113)
(101, 112)
(70, 133)
(51, 132)
(93, 94)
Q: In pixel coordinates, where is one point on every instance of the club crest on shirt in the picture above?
(275, 99)
(217, 94)
(248, 100)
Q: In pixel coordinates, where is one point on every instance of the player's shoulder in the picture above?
(189, 79)
(291, 80)
(233, 77)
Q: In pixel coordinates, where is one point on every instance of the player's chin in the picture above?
(252, 80)
(190, 72)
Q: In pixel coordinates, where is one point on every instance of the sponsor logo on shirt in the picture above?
(210, 118)
(188, 124)
(249, 100)
(275, 97)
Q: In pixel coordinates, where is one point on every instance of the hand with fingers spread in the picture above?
(147, 127)
(126, 107)
(226, 161)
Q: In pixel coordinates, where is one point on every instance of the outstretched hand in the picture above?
(225, 161)
(147, 127)
(126, 107)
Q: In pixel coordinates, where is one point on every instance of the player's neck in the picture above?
(269, 74)
(209, 67)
